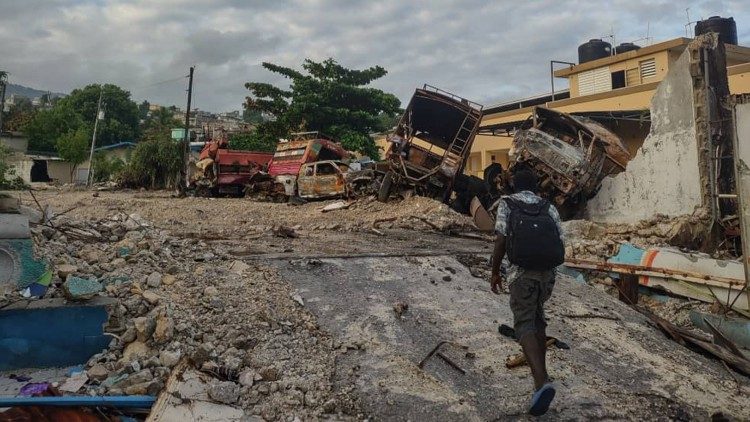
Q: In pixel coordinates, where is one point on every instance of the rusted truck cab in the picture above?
(331, 178)
(307, 147)
(430, 144)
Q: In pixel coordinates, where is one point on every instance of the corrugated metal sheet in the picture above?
(594, 80)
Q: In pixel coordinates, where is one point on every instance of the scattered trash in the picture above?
(75, 382)
(341, 205)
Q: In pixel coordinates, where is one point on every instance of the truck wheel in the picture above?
(385, 187)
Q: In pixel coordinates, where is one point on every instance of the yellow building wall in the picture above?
(661, 60)
(739, 79)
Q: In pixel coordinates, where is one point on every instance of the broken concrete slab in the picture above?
(14, 226)
(77, 288)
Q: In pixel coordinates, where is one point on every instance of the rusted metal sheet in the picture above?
(305, 148)
(326, 179)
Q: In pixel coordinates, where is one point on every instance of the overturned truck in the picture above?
(430, 145)
(570, 155)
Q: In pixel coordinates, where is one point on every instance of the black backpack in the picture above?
(533, 240)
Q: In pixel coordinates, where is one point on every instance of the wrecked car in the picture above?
(430, 144)
(571, 155)
(326, 179)
(305, 147)
(220, 170)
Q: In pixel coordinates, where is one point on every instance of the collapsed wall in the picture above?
(667, 175)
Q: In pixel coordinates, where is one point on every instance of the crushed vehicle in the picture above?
(305, 147)
(430, 145)
(326, 179)
(571, 155)
(220, 170)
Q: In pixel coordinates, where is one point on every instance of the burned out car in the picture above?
(430, 144)
(570, 155)
(326, 179)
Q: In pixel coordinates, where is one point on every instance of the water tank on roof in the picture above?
(593, 49)
(625, 47)
(725, 27)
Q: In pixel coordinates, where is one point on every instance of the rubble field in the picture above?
(300, 314)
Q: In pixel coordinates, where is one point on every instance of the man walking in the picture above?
(528, 229)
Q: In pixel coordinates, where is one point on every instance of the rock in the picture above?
(98, 372)
(118, 263)
(151, 297)
(238, 267)
(297, 298)
(168, 358)
(76, 288)
(269, 373)
(63, 271)
(210, 291)
(224, 392)
(247, 378)
(136, 349)
(202, 354)
(154, 279)
(129, 335)
(149, 387)
(144, 328)
(164, 329)
(400, 308)
(168, 280)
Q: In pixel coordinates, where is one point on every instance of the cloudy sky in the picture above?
(486, 51)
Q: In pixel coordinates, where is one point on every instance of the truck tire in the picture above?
(385, 187)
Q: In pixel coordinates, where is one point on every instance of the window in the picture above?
(648, 68)
(618, 79)
(492, 158)
(594, 81)
(325, 169)
(308, 170)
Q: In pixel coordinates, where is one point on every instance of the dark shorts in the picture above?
(527, 296)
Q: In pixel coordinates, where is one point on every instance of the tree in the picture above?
(252, 116)
(79, 109)
(73, 147)
(328, 98)
(154, 163)
(19, 115)
(143, 109)
(161, 119)
(251, 142)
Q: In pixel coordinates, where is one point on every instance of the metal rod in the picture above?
(552, 74)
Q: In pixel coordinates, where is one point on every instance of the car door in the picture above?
(328, 180)
(306, 181)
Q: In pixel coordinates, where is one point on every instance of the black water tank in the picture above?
(625, 47)
(725, 27)
(592, 50)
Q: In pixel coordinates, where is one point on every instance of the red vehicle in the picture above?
(227, 171)
(306, 147)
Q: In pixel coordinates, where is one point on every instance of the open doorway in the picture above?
(39, 171)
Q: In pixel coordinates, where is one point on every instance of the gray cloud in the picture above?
(485, 51)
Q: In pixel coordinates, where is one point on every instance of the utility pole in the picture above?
(93, 138)
(186, 137)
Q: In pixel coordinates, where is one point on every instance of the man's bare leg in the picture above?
(535, 355)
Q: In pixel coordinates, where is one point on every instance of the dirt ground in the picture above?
(317, 301)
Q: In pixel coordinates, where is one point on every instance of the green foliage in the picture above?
(251, 116)
(74, 147)
(161, 120)
(106, 169)
(19, 115)
(155, 163)
(47, 126)
(251, 142)
(327, 98)
(79, 109)
(143, 110)
(8, 178)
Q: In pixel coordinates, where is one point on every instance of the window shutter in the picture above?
(593, 81)
(648, 68)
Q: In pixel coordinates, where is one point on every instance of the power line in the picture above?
(161, 82)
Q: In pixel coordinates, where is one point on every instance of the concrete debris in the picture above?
(76, 288)
(341, 205)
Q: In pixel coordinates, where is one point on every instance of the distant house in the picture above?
(119, 150)
(33, 166)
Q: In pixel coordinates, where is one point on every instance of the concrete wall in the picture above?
(664, 176)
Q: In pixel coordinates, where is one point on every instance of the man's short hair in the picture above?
(524, 179)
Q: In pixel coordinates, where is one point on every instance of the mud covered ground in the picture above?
(319, 316)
